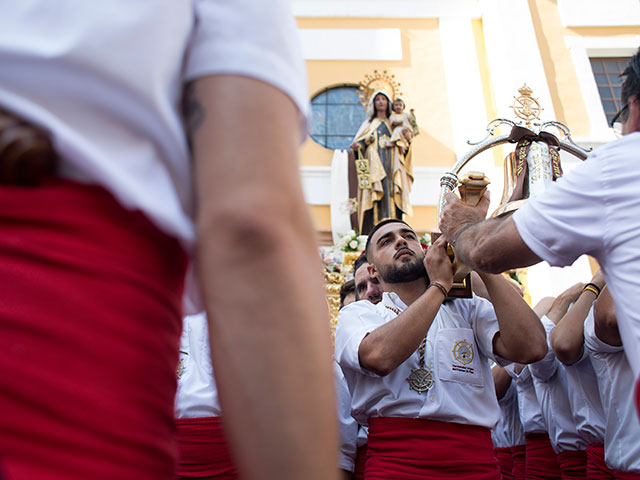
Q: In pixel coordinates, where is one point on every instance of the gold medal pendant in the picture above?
(420, 380)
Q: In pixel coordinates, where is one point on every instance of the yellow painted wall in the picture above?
(321, 216)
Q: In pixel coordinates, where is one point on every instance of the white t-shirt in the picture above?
(550, 384)
(615, 380)
(595, 210)
(197, 394)
(106, 78)
(347, 424)
(509, 431)
(528, 406)
(462, 390)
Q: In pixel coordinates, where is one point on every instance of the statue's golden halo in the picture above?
(375, 82)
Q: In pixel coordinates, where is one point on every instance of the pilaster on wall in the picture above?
(514, 55)
(464, 84)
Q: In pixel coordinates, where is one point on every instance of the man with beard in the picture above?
(367, 285)
(418, 367)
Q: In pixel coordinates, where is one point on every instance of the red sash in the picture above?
(90, 317)
(203, 452)
(638, 397)
(542, 463)
(361, 461)
(626, 475)
(596, 467)
(505, 461)
(573, 464)
(410, 448)
(519, 462)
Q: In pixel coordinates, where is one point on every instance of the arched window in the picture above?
(336, 116)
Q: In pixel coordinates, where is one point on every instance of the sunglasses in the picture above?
(620, 116)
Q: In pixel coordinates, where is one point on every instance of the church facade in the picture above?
(458, 64)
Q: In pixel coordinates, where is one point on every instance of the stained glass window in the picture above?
(336, 116)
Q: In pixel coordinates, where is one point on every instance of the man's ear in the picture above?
(634, 114)
(373, 271)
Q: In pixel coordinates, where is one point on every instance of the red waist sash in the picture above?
(505, 462)
(90, 317)
(409, 449)
(361, 461)
(542, 463)
(203, 452)
(573, 464)
(637, 396)
(596, 467)
(519, 462)
(618, 475)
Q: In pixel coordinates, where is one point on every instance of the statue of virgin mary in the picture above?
(383, 190)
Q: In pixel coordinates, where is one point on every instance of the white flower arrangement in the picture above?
(352, 242)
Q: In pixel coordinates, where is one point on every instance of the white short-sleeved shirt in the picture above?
(363, 435)
(615, 380)
(594, 210)
(528, 406)
(550, 384)
(197, 394)
(347, 424)
(461, 392)
(509, 431)
(106, 78)
(584, 400)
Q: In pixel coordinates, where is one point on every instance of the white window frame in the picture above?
(583, 48)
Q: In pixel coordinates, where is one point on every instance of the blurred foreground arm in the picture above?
(260, 275)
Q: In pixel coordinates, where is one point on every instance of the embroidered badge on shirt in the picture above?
(463, 353)
(181, 366)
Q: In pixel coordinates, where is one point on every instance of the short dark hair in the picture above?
(347, 288)
(631, 83)
(361, 260)
(377, 227)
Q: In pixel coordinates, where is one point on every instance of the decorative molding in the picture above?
(351, 44)
(324, 238)
(316, 184)
(581, 49)
(385, 9)
(596, 13)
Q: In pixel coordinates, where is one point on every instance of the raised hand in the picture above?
(456, 214)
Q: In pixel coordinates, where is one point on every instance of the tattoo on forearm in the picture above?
(193, 113)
